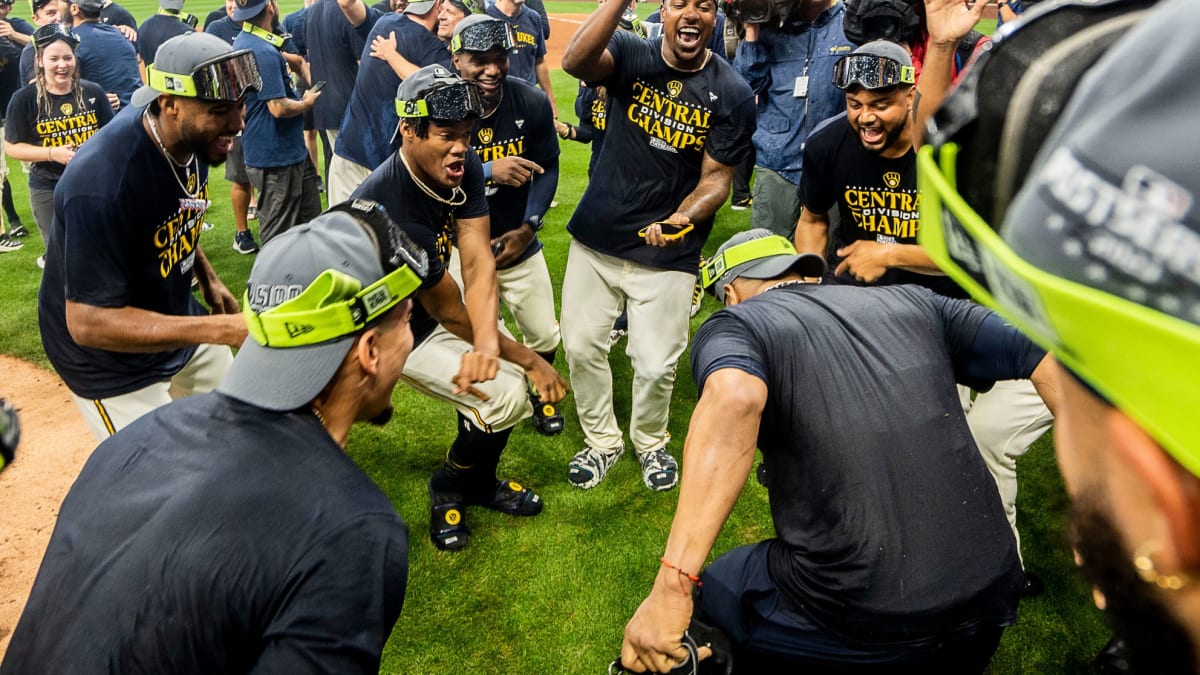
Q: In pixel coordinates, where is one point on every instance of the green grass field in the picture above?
(551, 594)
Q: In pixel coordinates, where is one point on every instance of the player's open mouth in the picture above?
(871, 135)
(455, 169)
(688, 37)
(488, 85)
(224, 144)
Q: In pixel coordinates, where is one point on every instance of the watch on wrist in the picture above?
(535, 223)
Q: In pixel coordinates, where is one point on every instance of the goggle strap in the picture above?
(171, 83)
(415, 108)
(763, 247)
(333, 318)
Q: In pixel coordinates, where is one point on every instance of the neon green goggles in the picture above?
(1144, 362)
(225, 78)
(334, 304)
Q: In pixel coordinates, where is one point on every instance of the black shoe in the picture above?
(546, 418)
(447, 523)
(761, 474)
(508, 497)
(1033, 585)
(16, 229)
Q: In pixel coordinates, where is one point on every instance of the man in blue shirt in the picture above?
(788, 68)
(162, 26)
(273, 143)
(527, 58)
(104, 55)
(369, 123)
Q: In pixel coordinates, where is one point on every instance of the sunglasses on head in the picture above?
(871, 72)
(451, 103)
(53, 32)
(225, 78)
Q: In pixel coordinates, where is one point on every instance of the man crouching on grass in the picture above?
(229, 532)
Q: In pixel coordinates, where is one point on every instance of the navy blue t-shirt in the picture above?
(333, 50)
(890, 529)
(365, 137)
(211, 536)
(592, 112)
(296, 25)
(108, 59)
(116, 15)
(124, 235)
(64, 121)
(522, 125)
(661, 124)
(430, 223)
(530, 44)
(156, 30)
(225, 28)
(27, 70)
(10, 61)
(267, 141)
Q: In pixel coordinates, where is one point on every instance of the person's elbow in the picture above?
(84, 325)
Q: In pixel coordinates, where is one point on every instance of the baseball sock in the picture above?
(471, 462)
(7, 200)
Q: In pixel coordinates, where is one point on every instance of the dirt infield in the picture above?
(54, 445)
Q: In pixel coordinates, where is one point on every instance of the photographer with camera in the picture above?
(786, 57)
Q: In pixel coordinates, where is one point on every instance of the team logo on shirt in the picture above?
(892, 179)
(675, 87)
(520, 124)
(66, 108)
(485, 135)
(191, 181)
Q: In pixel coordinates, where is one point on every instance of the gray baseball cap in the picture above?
(173, 5)
(481, 33)
(1120, 143)
(420, 8)
(287, 377)
(89, 5)
(772, 265)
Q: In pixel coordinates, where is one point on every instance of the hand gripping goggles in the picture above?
(483, 37)
(871, 72)
(449, 103)
(51, 33)
(225, 78)
(336, 304)
(982, 144)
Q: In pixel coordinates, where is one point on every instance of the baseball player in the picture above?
(433, 186)
(516, 142)
(685, 121)
(117, 316)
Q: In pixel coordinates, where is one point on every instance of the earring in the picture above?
(1144, 564)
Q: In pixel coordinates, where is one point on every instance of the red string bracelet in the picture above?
(690, 577)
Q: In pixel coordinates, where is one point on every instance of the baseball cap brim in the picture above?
(249, 11)
(804, 264)
(420, 8)
(298, 374)
(143, 96)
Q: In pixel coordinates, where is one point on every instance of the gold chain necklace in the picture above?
(186, 166)
(458, 196)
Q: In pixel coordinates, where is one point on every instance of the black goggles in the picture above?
(871, 72)
(450, 103)
(225, 78)
(51, 33)
(484, 37)
(396, 249)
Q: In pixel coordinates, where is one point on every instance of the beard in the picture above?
(1157, 641)
(383, 417)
